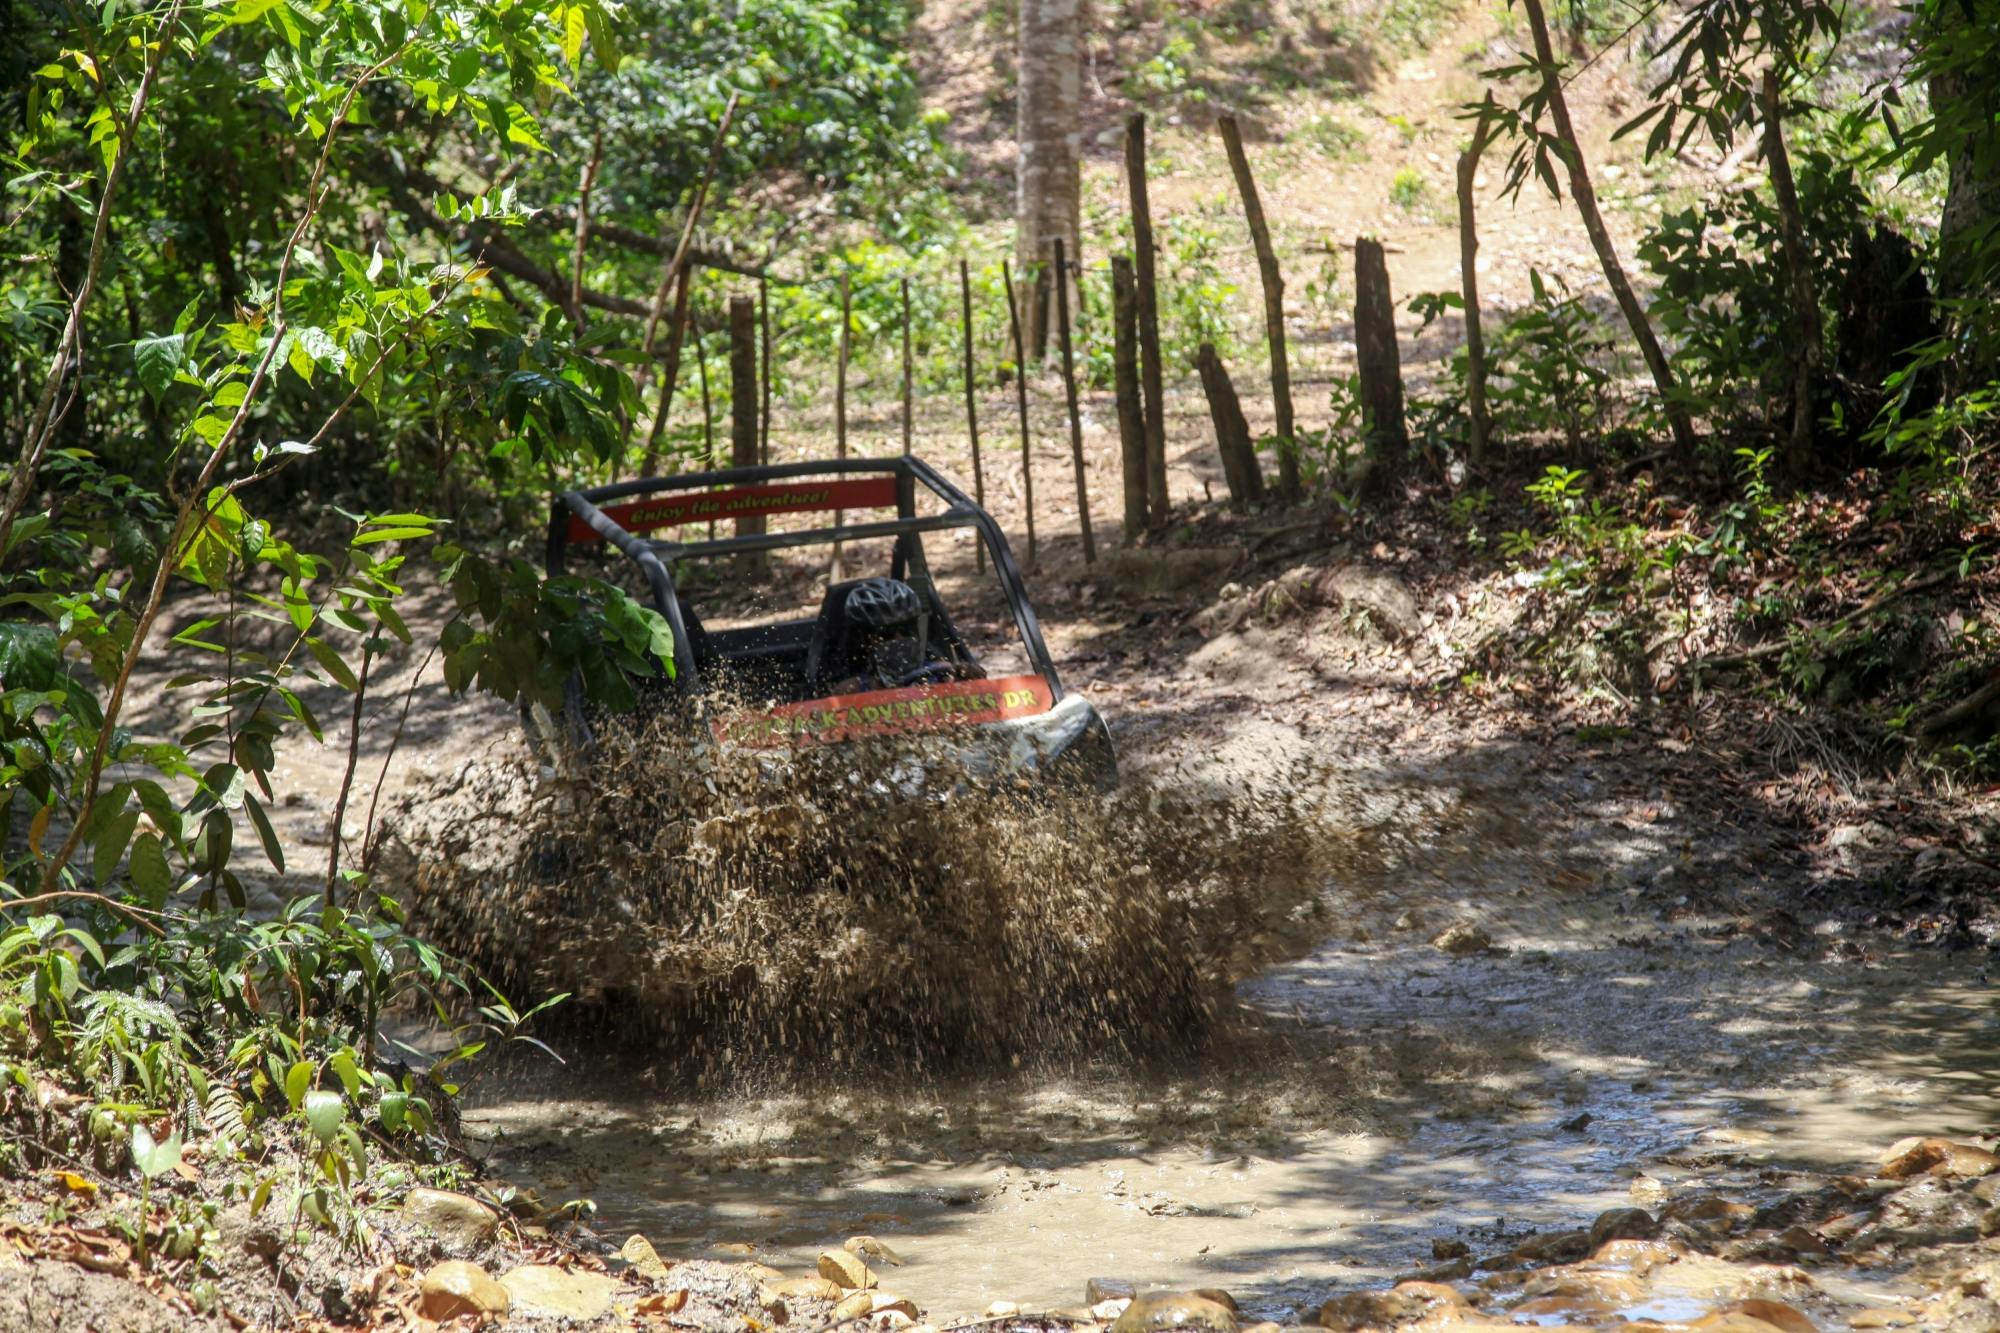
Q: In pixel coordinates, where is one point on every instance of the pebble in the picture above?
(1623, 1224)
(1938, 1157)
(462, 1223)
(1107, 1289)
(455, 1288)
(1001, 1310)
(639, 1252)
(1461, 939)
(807, 1288)
(1175, 1310)
(845, 1270)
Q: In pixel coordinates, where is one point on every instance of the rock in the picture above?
(1623, 1224)
(1928, 1212)
(1001, 1310)
(1106, 1311)
(1639, 1257)
(1175, 1309)
(881, 1302)
(1380, 596)
(854, 1305)
(845, 1270)
(455, 1288)
(1220, 1297)
(1375, 1309)
(1712, 1211)
(867, 1247)
(560, 1293)
(1462, 938)
(1732, 1322)
(1443, 1248)
(1107, 1289)
(1552, 1247)
(763, 1273)
(808, 1289)
(1939, 1157)
(639, 1252)
(1881, 1319)
(735, 1249)
(1786, 1318)
(461, 1223)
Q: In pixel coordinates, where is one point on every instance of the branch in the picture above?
(1776, 646)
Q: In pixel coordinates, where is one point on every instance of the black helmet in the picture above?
(883, 603)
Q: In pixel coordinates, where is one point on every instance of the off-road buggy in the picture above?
(788, 634)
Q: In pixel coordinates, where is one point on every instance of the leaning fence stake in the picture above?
(906, 367)
(1021, 404)
(764, 371)
(1069, 394)
(840, 408)
(971, 407)
(1151, 375)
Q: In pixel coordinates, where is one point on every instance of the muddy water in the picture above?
(1372, 1094)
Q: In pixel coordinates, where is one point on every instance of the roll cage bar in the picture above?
(654, 556)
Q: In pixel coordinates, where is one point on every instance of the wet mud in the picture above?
(1445, 1010)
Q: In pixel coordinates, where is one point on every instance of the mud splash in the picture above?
(747, 914)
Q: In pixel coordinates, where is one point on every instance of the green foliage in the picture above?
(1194, 293)
(1549, 371)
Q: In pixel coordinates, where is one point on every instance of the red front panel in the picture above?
(956, 703)
(788, 497)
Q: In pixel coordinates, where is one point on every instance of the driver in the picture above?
(892, 626)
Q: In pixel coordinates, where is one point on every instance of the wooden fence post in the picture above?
(743, 412)
(840, 406)
(1273, 282)
(764, 371)
(906, 367)
(971, 406)
(1468, 281)
(1021, 404)
(1075, 421)
(1151, 374)
(1125, 376)
(1232, 432)
(1379, 363)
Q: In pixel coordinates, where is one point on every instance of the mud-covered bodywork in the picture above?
(880, 668)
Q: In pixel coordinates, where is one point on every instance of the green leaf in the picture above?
(28, 657)
(324, 1113)
(346, 1070)
(111, 843)
(157, 360)
(155, 1158)
(298, 1079)
(150, 873)
(330, 662)
(274, 850)
(373, 535)
(395, 1111)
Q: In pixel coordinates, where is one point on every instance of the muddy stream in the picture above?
(1508, 1023)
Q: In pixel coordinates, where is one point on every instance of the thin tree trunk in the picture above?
(1075, 420)
(743, 407)
(1468, 270)
(1125, 378)
(764, 371)
(1021, 406)
(1798, 263)
(1151, 376)
(1049, 182)
(1274, 307)
(1580, 187)
(971, 404)
(1232, 432)
(583, 189)
(1378, 361)
(677, 274)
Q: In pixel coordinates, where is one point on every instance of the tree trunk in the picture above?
(1021, 406)
(1232, 432)
(1273, 282)
(1125, 376)
(971, 405)
(1600, 237)
(1049, 180)
(1378, 361)
(1151, 376)
(1468, 279)
(1961, 89)
(1798, 265)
